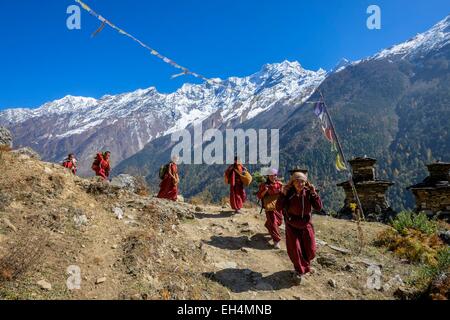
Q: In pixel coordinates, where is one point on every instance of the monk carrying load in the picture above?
(101, 165)
(268, 193)
(234, 176)
(296, 202)
(168, 188)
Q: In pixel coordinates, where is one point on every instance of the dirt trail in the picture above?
(241, 258)
(99, 253)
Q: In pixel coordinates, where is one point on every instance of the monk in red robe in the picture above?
(168, 188)
(101, 165)
(268, 193)
(296, 202)
(237, 192)
(71, 163)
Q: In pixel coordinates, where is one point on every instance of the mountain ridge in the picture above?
(72, 124)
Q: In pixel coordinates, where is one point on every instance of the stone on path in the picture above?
(332, 283)
(341, 250)
(118, 213)
(44, 285)
(100, 280)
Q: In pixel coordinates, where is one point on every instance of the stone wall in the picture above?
(373, 200)
(432, 201)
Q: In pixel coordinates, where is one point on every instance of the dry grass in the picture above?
(201, 199)
(139, 249)
(225, 201)
(142, 188)
(3, 149)
(26, 251)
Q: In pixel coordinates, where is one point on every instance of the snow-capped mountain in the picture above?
(342, 64)
(433, 39)
(124, 123)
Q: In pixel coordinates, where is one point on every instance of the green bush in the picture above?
(431, 272)
(408, 220)
(442, 265)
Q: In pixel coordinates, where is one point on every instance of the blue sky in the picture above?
(41, 60)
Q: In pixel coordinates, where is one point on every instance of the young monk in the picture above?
(101, 165)
(237, 192)
(296, 201)
(268, 193)
(168, 188)
(70, 163)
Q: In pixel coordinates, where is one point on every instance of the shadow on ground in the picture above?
(258, 241)
(221, 215)
(243, 280)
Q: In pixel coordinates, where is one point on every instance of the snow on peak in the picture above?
(433, 39)
(285, 68)
(235, 98)
(342, 64)
(67, 104)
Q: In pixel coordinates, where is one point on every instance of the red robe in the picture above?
(167, 188)
(300, 238)
(70, 165)
(101, 166)
(237, 192)
(274, 218)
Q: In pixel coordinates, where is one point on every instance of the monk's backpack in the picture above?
(269, 202)
(245, 177)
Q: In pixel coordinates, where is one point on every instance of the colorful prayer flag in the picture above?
(318, 109)
(339, 164)
(334, 147)
(329, 134)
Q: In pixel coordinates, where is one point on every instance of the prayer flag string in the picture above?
(185, 71)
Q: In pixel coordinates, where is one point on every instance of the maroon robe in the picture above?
(274, 218)
(300, 237)
(101, 166)
(167, 188)
(237, 192)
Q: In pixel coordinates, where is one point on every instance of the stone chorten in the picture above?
(371, 192)
(433, 194)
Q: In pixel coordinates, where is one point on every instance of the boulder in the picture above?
(393, 284)
(118, 213)
(5, 137)
(124, 181)
(80, 220)
(332, 283)
(134, 184)
(28, 153)
(445, 236)
(327, 260)
(44, 285)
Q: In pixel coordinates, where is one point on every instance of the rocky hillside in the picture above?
(125, 123)
(130, 246)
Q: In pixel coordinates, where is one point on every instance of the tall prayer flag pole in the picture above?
(360, 211)
(341, 153)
